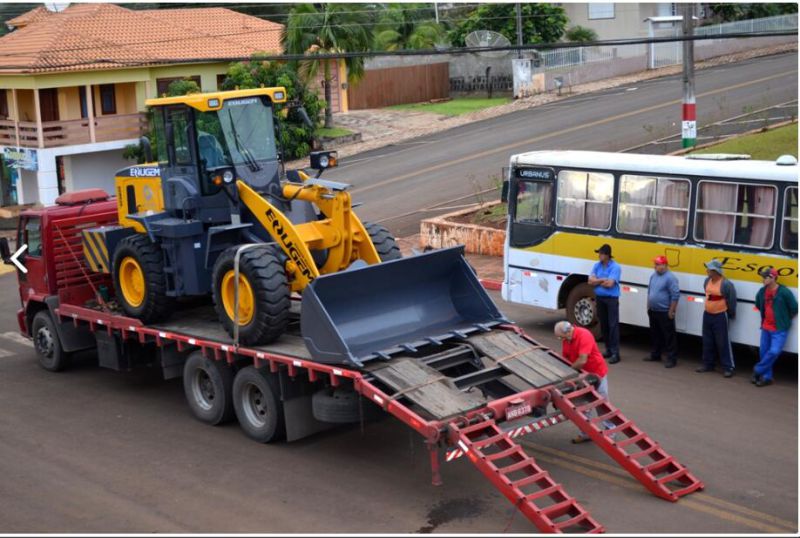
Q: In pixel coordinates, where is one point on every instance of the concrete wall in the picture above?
(93, 170)
(628, 21)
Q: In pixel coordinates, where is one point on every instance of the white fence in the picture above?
(663, 54)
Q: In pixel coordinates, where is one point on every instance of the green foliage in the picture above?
(581, 34)
(182, 87)
(329, 29)
(541, 23)
(408, 26)
(766, 146)
(736, 12)
(295, 136)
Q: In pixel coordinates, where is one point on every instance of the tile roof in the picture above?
(88, 37)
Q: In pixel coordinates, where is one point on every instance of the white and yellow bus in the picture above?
(563, 205)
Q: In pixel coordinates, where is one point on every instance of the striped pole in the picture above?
(689, 125)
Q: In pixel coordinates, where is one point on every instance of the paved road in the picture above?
(397, 183)
(95, 451)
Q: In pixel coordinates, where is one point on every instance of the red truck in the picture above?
(470, 396)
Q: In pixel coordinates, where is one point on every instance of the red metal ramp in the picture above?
(521, 480)
(628, 445)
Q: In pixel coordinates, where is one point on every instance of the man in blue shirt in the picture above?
(663, 294)
(605, 279)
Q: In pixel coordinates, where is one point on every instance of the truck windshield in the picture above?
(240, 133)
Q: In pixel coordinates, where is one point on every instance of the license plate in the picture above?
(519, 410)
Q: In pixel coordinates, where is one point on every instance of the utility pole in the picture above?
(519, 29)
(689, 125)
(436, 10)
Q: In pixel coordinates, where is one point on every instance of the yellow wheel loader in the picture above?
(216, 214)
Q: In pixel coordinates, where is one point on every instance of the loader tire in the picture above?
(263, 294)
(256, 398)
(581, 308)
(384, 242)
(51, 354)
(208, 387)
(140, 283)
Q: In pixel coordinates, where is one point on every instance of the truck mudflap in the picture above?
(377, 311)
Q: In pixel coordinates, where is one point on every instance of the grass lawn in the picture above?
(333, 132)
(455, 107)
(766, 146)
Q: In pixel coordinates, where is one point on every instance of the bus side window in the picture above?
(789, 231)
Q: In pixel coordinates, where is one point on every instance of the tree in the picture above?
(581, 34)
(329, 29)
(408, 26)
(295, 136)
(184, 86)
(735, 12)
(541, 23)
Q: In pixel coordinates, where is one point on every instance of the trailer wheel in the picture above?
(48, 347)
(257, 404)
(340, 406)
(384, 242)
(208, 386)
(140, 283)
(582, 308)
(263, 294)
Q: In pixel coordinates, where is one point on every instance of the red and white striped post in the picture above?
(689, 124)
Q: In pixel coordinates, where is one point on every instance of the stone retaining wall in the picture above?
(440, 232)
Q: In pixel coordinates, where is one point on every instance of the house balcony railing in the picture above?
(72, 132)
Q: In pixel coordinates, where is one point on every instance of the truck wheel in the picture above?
(48, 347)
(140, 283)
(340, 406)
(208, 386)
(257, 404)
(582, 308)
(263, 294)
(384, 242)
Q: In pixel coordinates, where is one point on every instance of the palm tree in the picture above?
(329, 29)
(408, 26)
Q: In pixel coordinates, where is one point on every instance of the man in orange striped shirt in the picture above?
(720, 306)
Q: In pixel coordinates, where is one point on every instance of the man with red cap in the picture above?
(663, 294)
(777, 306)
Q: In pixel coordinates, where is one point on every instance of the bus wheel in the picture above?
(582, 308)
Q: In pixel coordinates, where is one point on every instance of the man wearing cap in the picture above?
(720, 306)
(663, 294)
(604, 277)
(580, 349)
(777, 306)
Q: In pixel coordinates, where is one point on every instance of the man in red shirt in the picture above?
(580, 349)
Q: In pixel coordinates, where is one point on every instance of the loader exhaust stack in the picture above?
(376, 311)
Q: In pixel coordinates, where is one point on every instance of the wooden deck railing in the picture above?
(72, 132)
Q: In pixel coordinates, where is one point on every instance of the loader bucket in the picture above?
(392, 307)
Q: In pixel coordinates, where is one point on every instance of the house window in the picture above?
(221, 81)
(162, 84)
(108, 99)
(584, 200)
(3, 104)
(601, 10)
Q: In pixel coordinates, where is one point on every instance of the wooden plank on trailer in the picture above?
(534, 365)
(426, 387)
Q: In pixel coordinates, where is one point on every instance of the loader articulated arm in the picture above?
(340, 232)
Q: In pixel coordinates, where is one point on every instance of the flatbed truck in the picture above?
(471, 394)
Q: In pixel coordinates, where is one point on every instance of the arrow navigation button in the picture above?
(14, 258)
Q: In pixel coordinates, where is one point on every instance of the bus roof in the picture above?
(659, 164)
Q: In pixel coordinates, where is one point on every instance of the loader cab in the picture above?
(203, 138)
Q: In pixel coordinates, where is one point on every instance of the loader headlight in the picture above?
(227, 176)
(324, 161)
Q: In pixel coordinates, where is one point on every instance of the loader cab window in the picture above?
(180, 136)
(248, 131)
(159, 140)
